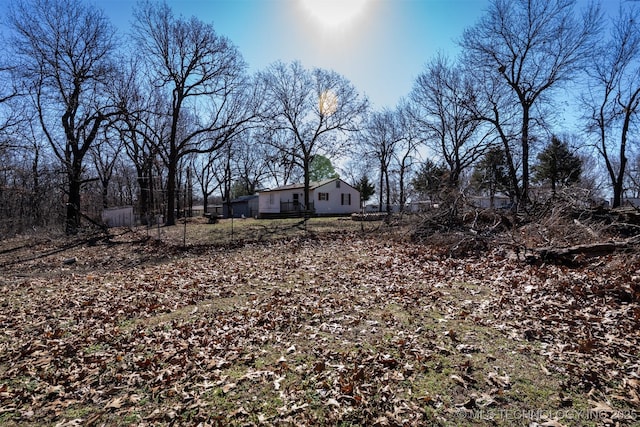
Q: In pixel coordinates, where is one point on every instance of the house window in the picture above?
(272, 199)
(345, 199)
(323, 196)
(338, 184)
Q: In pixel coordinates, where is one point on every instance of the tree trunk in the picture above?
(36, 207)
(401, 184)
(171, 191)
(189, 194)
(524, 196)
(513, 175)
(306, 164)
(617, 194)
(73, 203)
(629, 109)
(387, 191)
(567, 256)
(152, 197)
(380, 189)
(143, 203)
(105, 194)
(178, 194)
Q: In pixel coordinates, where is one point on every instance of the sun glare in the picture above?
(328, 102)
(334, 13)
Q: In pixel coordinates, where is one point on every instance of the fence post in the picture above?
(184, 233)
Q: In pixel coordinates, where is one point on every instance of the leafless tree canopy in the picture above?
(202, 75)
(532, 47)
(316, 110)
(381, 138)
(612, 98)
(64, 51)
(169, 113)
(444, 96)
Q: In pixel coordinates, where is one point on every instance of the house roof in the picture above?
(312, 185)
(244, 198)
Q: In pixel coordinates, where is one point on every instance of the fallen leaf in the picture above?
(459, 380)
(276, 382)
(600, 407)
(228, 387)
(501, 381)
(544, 369)
(115, 403)
(332, 402)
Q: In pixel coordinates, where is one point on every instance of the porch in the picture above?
(295, 208)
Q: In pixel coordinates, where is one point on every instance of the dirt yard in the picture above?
(330, 328)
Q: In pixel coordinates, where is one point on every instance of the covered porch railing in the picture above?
(294, 207)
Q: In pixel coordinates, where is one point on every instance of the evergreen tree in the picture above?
(558, 165)
(366, 188)
(491, 174)
(430, 179)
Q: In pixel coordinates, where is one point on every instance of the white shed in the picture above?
(328, 197)
(498, 201)
(118, 217)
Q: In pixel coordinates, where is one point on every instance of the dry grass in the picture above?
(324, 326)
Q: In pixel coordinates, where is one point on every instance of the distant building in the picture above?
(498, 201)
(198, 210)
(119, 217)
(326, 198)
(631, 201)
(242, 207)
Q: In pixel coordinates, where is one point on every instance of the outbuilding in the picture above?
(118, 217)
(242, 207)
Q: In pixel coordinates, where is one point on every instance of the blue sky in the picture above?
(381, 48)
(381, 45)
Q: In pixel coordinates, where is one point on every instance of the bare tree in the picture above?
(355, 168)
(142, 129)
(204, 169)
(14, 145)
(407, 151)
(202, 74)
(124, 184)
(11, 109)
(281, 165)
(104, 154)
(243, 163)
(633, 176)
(214, 172)
(381, 137)
(316, 110)
(532, 46)
(224, 175)
(613, 99)
(64, 49)
(250, 160)
(441, 95)
(494, 106)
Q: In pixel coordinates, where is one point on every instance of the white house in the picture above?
(328, 197)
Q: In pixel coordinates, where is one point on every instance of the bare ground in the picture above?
(318, 328)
